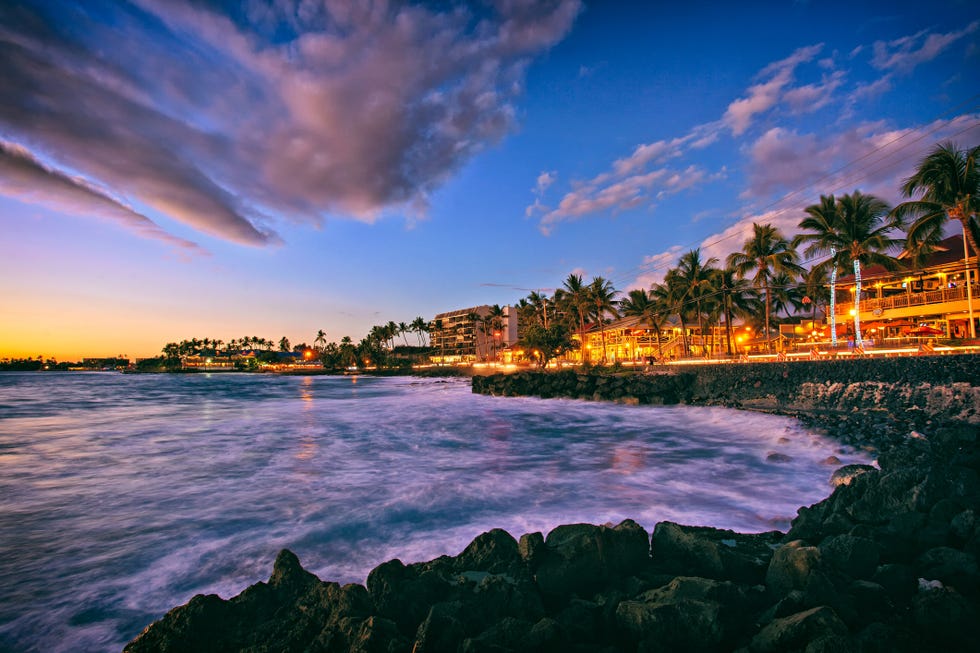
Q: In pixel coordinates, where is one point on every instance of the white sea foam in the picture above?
(125, 496)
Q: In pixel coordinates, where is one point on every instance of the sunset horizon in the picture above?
(172, 170)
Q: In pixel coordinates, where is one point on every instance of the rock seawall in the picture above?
(888, 562)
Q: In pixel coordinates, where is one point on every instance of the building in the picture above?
(629, 340)
(931, 299)
(471, 335)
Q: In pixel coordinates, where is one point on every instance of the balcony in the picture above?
(943, 301)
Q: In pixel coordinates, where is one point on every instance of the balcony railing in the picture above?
(941, 296)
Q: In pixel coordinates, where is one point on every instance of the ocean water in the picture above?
(123, 496)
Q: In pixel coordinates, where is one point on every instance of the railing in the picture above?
(941, 296)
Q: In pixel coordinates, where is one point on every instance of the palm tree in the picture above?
(540, 304)
(476, 322)
(494, 323)
(738, 298)
(673, 293)
(820, 220)
(419, 326)
(284, 344)
(695, 275)
(787, 294)
(766, 253)
(438, 328)
(817, 281)
(854, 230)
(601, 297)
(575, 302)
(320, 341)
(948, 183)
(644, 305)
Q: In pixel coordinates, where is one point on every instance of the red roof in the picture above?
(947, 251)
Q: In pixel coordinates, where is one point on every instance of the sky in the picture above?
(173, 169)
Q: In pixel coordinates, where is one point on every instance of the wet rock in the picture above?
(582, 558)
(856, 557)
(687, 614)
(791, 567)
(898, 580)
(944, 619)
(495, 552)
(712, 552)
(847, 473)
(951, 566)
(799, 630)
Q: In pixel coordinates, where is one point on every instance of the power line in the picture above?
(642, 269)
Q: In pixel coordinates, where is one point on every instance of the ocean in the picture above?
(122, 496)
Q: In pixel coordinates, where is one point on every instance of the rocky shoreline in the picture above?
(888, 562)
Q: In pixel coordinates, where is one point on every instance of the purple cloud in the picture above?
(906, 53)
(353, 110)
(24, 178)
(763, 96)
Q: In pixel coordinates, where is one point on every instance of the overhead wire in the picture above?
(888, 159)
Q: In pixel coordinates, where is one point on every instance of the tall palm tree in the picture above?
(494, 323)
(948, 184)
(284, 344)
(787, 294)
(541, 304)
(673, 294)
(855, 232)
(438, 327)
(738, 298)
(574, 297)
(820, 220)
(644, 305)
(766, 253)
(695, 275)
(817, 282)
(476, 322)
(419, 327)
(601, 296)
(320, 340)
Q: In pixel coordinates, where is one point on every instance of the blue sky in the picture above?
(174, 169)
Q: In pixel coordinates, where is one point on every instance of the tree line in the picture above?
(767, 278)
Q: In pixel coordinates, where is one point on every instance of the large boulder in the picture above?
(795, 632)
(580, 559)
(689, 614)
(293, 611)
(856, 557)
(712, 552)
(791, 566)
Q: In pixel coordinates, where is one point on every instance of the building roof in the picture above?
(948, 251)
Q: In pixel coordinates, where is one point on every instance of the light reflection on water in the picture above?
(123, 496)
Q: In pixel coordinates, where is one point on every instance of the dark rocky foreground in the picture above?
(888, 562)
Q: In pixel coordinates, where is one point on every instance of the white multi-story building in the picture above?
(470, 335)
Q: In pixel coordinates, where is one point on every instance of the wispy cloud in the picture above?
(353, 109)
(766, 94)
(24, 178)
(904, 54)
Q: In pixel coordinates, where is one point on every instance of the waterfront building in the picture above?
(466, 335)
(932, 298)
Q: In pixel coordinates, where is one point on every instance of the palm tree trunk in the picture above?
(768, 308)
(968, 237)
(857, 303)
(701, 326)
(833, 299)
(728, 323)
